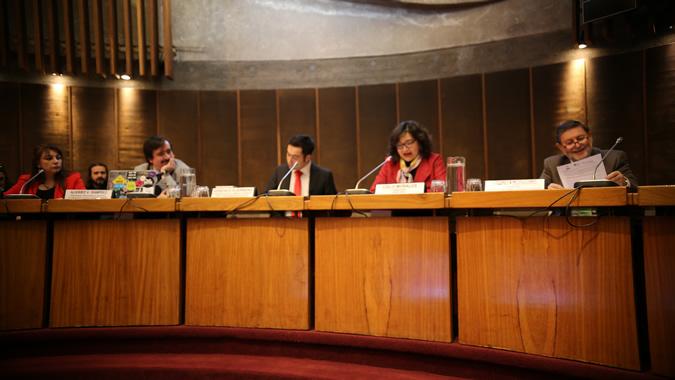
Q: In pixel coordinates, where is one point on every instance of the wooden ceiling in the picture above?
(105, 38)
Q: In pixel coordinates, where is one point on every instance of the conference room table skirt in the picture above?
(248, 273)
(543, 287)
(384, 277)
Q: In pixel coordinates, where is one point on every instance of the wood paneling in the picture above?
(384, 277)
(177, 120)
(599, 196)
(115, 273)
(10, 154)
(542, 287)
(660, 128)
(558, 94)
(94, 128)
(377, 118)
(68, 35)
(257, 138)
(297, 115)
(137, 118)
(22, 273)
(218, 138)
(377, 202)
(462, 118)
(419, 101)
(83, 33)
(337, 134)
(614, 98)
(248, 273)
(507, 103)
(660, 285)
(45, 118)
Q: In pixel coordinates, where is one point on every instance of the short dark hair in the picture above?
(417, 131)
(302, 141)
(152, 143)
(566, 125)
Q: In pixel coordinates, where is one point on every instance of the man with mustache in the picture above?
(98, 176)
(575, 142)
(160, 158)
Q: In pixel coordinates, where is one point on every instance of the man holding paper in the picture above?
(579, 160)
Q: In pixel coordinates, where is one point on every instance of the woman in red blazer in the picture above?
(411, 159)
(53, 181)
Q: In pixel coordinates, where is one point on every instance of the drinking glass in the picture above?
(437, 186)
(474, 184)
(187, 180)
(455, 173)
(173, 192)
(201, 192)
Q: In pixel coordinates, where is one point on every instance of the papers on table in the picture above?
(582, 170)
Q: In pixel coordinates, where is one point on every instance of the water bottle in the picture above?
(456, 173)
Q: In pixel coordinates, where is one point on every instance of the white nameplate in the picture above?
(88, 194)
(400, 188)
(514, 184)
(232, 192)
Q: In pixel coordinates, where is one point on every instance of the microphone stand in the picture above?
(279, 192)
(357, 190)
(21, 195)
(599, 182)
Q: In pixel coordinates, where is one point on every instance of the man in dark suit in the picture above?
(307, 178)
(575, 142)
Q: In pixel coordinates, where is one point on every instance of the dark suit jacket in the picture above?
(617, 160)
(320, 180)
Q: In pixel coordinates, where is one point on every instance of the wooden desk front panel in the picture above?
(542, 287)
(23, 249)
(116, 272)
(248, 273)
(659, 254)
(383, 276)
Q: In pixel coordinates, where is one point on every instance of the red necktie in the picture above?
(297, 186)
(297, 189)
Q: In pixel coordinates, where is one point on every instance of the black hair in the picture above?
(417, 131)
(302, 141)
(152, 143)
(566, 125)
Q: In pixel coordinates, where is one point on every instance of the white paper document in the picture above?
(88, 194)
(582, 170)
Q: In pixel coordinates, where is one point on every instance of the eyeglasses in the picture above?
(577, 140)
(406, 144)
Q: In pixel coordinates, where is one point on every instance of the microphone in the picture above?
(599, 182)
(30, 180)
(283, 192)
(21, 195)
(357, 189)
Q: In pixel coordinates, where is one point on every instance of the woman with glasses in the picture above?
(575, 142)
(52, 181)
(410, 157)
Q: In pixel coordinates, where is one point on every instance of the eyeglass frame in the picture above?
(406, 144)
(577, 140)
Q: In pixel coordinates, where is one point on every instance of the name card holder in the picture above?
(514, 184)
(400, 188)
(88, 194)
(232, 192)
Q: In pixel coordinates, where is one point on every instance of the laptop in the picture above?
(132, 183)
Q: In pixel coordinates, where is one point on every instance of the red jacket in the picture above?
(73, 181)
(429, 169)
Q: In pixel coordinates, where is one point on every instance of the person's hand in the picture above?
(618, 178)
(554, 186)
(169, 167)
(164, 194)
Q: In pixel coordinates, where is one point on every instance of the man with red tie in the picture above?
(307, 178)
